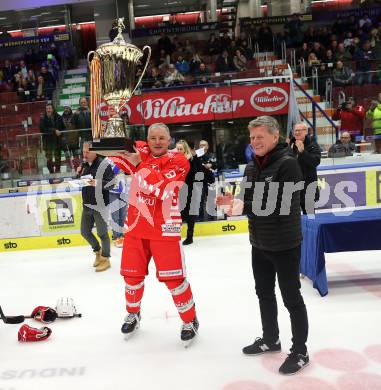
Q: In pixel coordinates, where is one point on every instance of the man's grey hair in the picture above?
(159, 126)
(301, 124)
(267, 121)
(89, 143)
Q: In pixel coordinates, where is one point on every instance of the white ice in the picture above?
(91, 353)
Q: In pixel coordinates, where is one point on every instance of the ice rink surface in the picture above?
(91, 353)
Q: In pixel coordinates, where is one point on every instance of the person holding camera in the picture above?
(82, 119)
(374, 113)
(351, 117)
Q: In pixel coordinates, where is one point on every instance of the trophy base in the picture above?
(112, 146)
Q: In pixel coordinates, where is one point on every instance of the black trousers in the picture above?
(285, 266)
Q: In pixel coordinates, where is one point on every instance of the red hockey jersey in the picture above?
(153, 210)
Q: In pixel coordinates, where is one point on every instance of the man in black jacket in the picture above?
(95, 197)
(271, 188)
(51, 127)
(308, 154)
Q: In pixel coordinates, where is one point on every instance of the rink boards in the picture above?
(47, 217)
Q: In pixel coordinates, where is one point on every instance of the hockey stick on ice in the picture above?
(11, 319)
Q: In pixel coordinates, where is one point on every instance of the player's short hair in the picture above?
(160, 126)
(269, 122)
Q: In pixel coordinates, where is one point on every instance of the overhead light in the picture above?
(186, 125)
(172, 2)
(2, 18)
(45, 13)
(96, 15)
(141, 5)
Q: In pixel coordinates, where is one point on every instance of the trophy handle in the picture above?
(88, 56)
(145, 67)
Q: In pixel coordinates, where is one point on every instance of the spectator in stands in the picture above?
(343, 54)
(164, 43)
(329, 57)
(239, 61)
(49, 82)
(303, 52)
(324, 72)
(51, 127)
(348, 41)
(82, 119)
(71, 137)
(232, 48)
(173, 77)
(342, 76)
(203, 74)
(293, 27)
(365, 20)
(224, 63)
(310, 35)
(8, 71)
(308, 154)
(342, 147)
(352, 118)
(182, 65)
(265, 38)
(246, 51)
(313, 62)
(40, 88)
(29, 58)
(155, 80)
(164, 60)
(189, 49)
(318, 50)
(214, 45)
(195, 62)
(363, 58)
(22, 68)
(374, 113)
(52, 66)
(225, 41)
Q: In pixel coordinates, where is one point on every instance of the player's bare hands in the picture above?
(133, 158)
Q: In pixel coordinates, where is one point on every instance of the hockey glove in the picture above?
(27, 333)
(44, 314)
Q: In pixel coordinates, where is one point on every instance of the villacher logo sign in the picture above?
(269, 99)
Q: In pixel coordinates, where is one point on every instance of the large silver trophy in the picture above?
(113, 69)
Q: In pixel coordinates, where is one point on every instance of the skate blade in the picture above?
(128, 336)
(188, 343)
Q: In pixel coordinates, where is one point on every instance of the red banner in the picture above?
(208, 104)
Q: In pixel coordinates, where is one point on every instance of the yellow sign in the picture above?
(60, 212)
(373, 188)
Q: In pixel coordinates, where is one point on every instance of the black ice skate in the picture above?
(189, 332)
(131, 324)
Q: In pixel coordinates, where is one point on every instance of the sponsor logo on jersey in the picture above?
(173, 272)
(168, 228)
(148, 200)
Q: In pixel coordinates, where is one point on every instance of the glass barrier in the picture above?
(213, 112)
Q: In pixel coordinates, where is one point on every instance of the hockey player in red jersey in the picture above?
(154, 227)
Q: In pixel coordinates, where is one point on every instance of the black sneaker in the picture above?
(294, 363)
(189, 331)
(260, 346)
(131, 323)
(188, 241)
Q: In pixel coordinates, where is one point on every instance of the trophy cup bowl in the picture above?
(113, 72)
